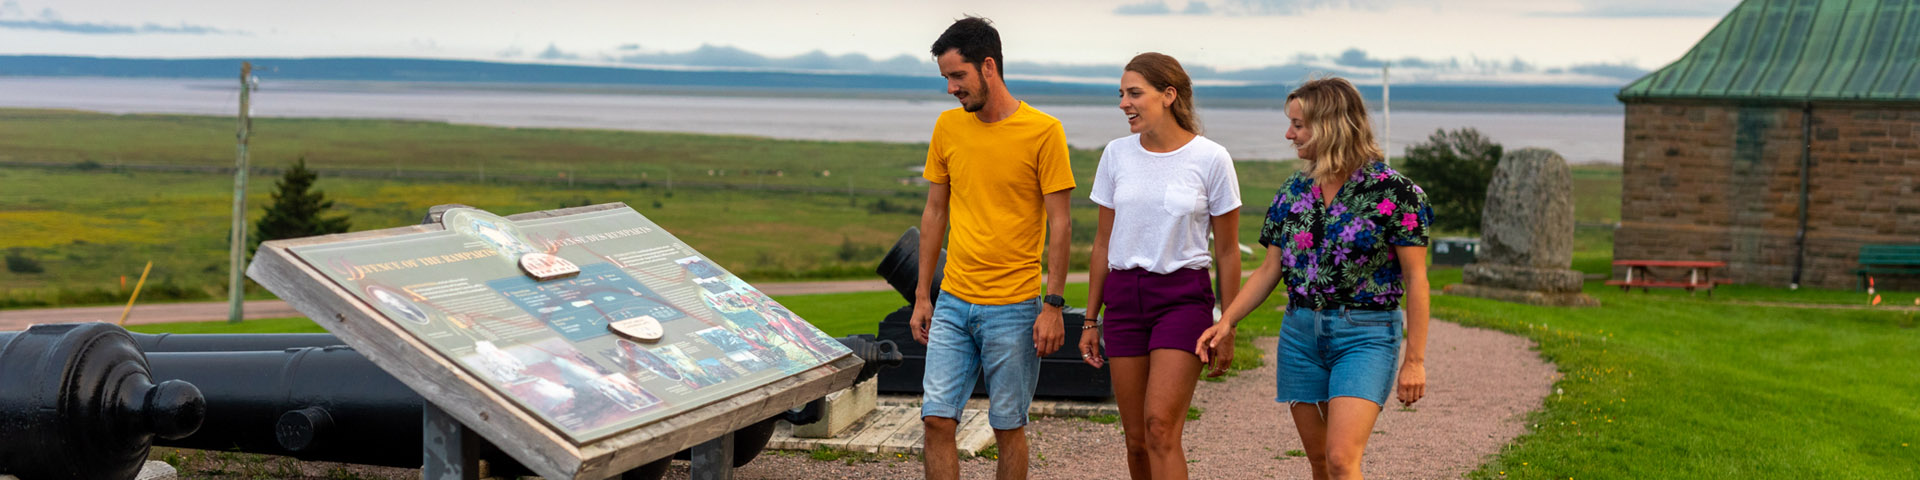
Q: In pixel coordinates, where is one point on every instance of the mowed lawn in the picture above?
(1654, 386)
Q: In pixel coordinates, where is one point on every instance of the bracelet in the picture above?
(1089, 326)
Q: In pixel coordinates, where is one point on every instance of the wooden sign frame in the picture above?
(490, 414)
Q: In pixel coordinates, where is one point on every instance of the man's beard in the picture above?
(979, 97)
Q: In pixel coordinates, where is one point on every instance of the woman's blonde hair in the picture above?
(1342, 136)
(1162, 71)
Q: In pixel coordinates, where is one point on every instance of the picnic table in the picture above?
(1640, 273)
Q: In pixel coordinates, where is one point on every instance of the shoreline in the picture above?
(886, 116)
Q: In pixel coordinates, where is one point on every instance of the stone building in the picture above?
(1790, 120)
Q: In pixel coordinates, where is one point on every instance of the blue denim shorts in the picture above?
(966, 339)
(1338, 353)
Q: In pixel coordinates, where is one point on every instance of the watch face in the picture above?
(1055, 300)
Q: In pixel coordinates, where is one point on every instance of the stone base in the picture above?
(1512, 277)
(1545, 299)
(843, 409)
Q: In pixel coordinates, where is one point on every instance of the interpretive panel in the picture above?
(546, 345)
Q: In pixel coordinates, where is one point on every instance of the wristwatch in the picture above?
(1055, 300)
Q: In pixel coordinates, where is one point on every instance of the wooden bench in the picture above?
(1887, 259)
(1640, 274)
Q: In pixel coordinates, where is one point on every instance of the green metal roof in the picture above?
(1799, 50)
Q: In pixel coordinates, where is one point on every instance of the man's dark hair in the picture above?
(977, 40)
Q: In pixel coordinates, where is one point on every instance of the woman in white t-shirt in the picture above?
(1162, 188)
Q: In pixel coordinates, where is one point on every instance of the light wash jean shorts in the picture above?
(965, 340)
(1338, 353)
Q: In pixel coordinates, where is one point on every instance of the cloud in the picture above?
(1648, 9)
(1352, 63)
(1248, 7)
(553, 53)
(1151, 7)
(13, 17)
(722, 56)
(1622, 71)
(1296, 7)
(1357, 58)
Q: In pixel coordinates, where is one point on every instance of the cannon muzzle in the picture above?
(80, 402)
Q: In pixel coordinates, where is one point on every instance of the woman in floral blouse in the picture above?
(1348, 236)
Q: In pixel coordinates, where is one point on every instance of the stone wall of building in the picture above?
(1721, 181)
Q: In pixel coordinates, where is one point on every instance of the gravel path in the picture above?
(1481, 384)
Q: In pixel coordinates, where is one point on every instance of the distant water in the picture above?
(1247, 133)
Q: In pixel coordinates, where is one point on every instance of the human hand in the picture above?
(1413, 382)
(1048, 333)
(1215, 348)
(1090, 347)
(922, 317)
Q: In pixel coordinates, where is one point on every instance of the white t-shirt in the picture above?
(1162, 202)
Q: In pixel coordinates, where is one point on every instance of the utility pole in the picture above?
(1386, 105)
(238, 249)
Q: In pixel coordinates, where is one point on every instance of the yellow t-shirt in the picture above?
(998, 174)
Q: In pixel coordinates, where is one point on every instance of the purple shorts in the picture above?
(1147, 310)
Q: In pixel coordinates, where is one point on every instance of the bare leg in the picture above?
(1013, 454)
(1170, 383)
(941, 456)
(1130, 392)
(1313, 435)
(1349, 422)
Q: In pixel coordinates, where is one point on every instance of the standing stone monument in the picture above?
(1526, 229)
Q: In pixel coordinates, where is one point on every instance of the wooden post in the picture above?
(713, 459)
(237, 251)
(136, 292)
(449, 451)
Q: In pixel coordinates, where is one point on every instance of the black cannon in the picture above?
(1063, 374)
(298, 395)
(79, 402)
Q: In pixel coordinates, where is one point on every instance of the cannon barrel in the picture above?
(901, 266)
(79, 402)
(311, 403)
(331, 404)
(298, 395)
(877, 354)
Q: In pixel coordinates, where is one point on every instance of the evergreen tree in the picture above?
(1454, 169)
(296, 210)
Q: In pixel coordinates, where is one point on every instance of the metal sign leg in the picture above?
(450, 451)
(713, 459)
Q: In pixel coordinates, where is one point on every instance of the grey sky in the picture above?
(1464, 40)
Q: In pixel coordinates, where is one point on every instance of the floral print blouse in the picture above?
(1341, 254)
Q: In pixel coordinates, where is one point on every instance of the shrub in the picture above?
(19, 262)
(297, 210)
(1454, 168)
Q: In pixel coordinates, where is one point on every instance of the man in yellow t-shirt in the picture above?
(1000, 179)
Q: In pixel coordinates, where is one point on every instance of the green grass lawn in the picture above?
(1663, 386)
